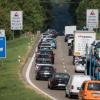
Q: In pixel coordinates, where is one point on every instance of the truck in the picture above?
(69, 31)
(93, 61)
(82, 40)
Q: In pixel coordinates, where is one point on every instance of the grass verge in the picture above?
(11, 87)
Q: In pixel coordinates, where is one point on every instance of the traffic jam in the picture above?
(83, 47)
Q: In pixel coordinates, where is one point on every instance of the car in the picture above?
(45, 56)
(74, 83)
(52, 44)
(47, 51)
(45, 72)
(90, 90)
(70, 39)
(51, 41)
(80, 66)
(41, 62)
(44, 47)
(67, 37)
(53, 32)
(45, 35)
(58, 80)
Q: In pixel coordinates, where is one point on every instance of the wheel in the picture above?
(69, 96)
(37, 78)
(69, 53)
(66, 95)
(48, 86)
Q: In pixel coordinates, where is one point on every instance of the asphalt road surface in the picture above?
(63, 63)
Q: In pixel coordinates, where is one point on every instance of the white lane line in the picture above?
(63, 63)
(32, 84)
(64, 67)
(65, 70)
(62, 59)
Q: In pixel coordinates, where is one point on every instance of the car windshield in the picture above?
(45, 52)
(43, 56)
(45, 44)
(44, 47)
(44, 62)
(61, 75)
(94, 86)
(46, 68)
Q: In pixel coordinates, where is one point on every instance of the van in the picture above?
(90, 90)
(75, 82)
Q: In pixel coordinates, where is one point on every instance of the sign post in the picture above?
(2, 44)
(16, 21)
(92, 19)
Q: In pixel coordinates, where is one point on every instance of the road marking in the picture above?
(30, 82)
(63, 63)
(62, 59)
(65, 70)
(64, 67)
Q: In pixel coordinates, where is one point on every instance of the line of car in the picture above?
(81, 85)
(44, 62)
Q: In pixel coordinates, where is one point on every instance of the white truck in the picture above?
(69, 30)
(82, 39)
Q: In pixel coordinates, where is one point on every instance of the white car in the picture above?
(80, 68)
(69, 41)
(75, 82)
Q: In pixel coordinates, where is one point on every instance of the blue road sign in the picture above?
(2, 47)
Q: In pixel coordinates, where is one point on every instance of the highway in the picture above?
(63, 63)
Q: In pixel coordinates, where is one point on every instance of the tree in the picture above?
(81, 10)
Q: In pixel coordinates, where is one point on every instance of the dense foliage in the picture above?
(81, 10)
(35, 14)
(78, 10)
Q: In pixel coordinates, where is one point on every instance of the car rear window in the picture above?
(94, 86)
(43, 56)
(46, 44)
(44, 61)
(46, 68)
(62, 76)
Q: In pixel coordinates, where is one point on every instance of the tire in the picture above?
(37, 78)
(48, 86)
(69, 96)
(66, 95)
(69, 53)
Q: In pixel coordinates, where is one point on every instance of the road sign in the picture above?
(2, 33)
(16, 20)
(2, 44)
(92, 19)
(2, 47)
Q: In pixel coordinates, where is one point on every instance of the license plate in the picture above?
(61, 84)
(46, 73)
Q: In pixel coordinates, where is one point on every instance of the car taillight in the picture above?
(72, 87)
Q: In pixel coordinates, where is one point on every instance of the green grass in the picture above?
(11, 86)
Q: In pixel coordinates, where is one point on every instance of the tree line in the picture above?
(78, 10)
(36, 14)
